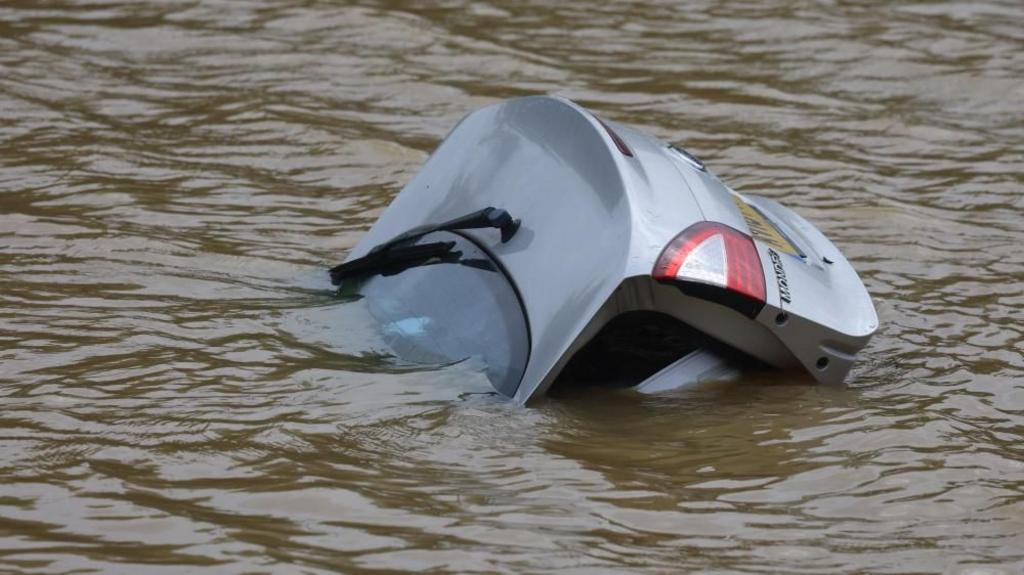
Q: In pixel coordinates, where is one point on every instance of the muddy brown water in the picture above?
(180, 392)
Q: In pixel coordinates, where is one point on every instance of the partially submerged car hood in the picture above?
(597, 205)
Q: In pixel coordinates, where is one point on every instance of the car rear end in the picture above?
(749, 272)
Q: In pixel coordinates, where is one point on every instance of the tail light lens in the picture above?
(713, 255)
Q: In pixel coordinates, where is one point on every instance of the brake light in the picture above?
(714, 254)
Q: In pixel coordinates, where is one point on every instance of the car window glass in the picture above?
(453, 311)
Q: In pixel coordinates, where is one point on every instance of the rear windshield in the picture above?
(453, 311)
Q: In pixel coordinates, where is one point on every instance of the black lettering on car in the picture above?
(780, 275)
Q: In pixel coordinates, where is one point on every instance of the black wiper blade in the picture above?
(485, 218)
(395, 257)
(391, 251)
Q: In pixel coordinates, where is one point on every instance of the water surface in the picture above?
(180, 389)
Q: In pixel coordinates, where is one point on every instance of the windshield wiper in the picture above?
(385, 260)
(393, 254)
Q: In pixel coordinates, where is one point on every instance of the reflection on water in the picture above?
(180, 389)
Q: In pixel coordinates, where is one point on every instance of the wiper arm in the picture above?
(374, 262)
(485, 218)
(392, 253)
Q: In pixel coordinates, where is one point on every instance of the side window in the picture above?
(453, 310)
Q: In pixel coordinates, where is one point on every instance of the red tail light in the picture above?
(713, 254)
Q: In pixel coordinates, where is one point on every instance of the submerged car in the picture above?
(559, 250)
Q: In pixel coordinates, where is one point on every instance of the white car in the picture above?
(561, 250)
